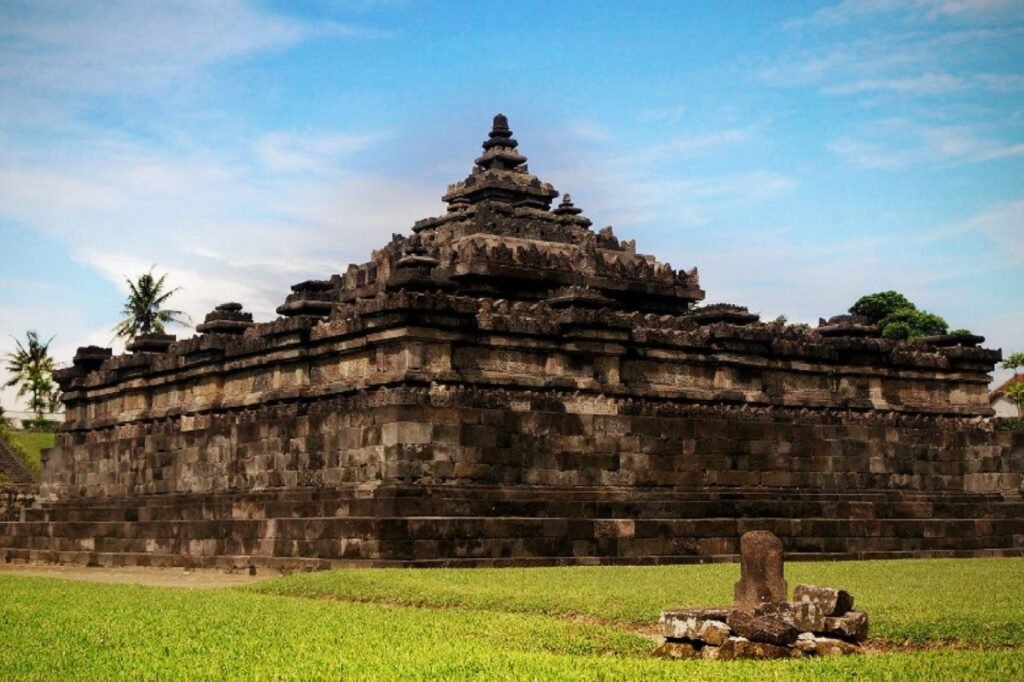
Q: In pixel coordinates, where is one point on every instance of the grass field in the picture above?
(503, 623)
(30, 445)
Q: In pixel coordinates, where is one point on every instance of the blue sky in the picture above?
(801, 154)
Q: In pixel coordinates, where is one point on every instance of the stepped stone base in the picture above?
(305, 528)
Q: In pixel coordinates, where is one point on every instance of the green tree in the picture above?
(1015, 394)
(143, 312)
(911, 323)
(1014, 361)
(876, 307)
(31, 369)
(897, 317)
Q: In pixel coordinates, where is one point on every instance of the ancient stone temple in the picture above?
(507, 385)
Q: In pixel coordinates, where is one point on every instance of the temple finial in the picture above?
(500, 147)
(567, 207)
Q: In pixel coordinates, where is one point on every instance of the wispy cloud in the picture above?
(923, 84)
(108, 47)
(220, 228)
(699, 143)
(1004, 226)
(849, 11)
(590, 131)
(288, 152)
(896, 144)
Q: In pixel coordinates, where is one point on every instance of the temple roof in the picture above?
(500, 238)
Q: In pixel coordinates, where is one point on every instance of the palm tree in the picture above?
(31, 369)
(142, 311)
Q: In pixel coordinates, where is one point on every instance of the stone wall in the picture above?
(15, 498)
(442, 435)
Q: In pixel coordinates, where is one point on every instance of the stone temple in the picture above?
(506, 385)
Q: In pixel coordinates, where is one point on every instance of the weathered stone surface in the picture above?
(763, 650)
(829, 600)
(761, 629)
(714, 632)
(804, 616)
(853, 626)
(805, 642)
(825, 646)
(733, 648)
(761, 572)
(740, 648)
(689, 623)
(711, 653)
(676, 650)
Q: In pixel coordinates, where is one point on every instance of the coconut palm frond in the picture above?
(143, 311)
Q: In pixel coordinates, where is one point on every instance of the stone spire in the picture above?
(227, 318)
(571, 213)
(500, 148)
(567, 207)
(500, 175)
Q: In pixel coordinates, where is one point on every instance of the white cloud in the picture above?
(288, 152)
(923, 84)
(1004, 226)
(590, 131)
(854, 10)
(113, 46)
(222, 230)
(895, 144)
(700, 143)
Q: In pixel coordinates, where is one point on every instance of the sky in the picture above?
(801, 154)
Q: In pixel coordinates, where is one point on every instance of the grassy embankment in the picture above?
(559, 623)
(30, 444)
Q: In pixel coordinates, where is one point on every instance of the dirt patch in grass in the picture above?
(139, 575)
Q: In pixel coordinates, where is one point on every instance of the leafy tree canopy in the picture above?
(876, 307)
(898, 318)
(1015, 394)
(1014, 361)
(911, 323)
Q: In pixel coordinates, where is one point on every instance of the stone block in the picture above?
(732, 648)
(804, 616)
(714, 632)
(742, 648)
(763, 650)
(829, 600)
(711, 653)
(826, 646)
(687, 623)
(761, 629)
(851, 626)
(676, 650)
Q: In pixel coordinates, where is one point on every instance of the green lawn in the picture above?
(486, 624)
(30, 445)
(980, 601)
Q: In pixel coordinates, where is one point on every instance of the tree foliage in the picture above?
(1015, 394)
(898, 318)
(143, 312)
(31, 370)
(911, 323)
(876, 307)
(1014, 361)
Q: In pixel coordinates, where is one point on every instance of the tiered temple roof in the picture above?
(500, 238)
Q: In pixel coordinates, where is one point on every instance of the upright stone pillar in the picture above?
(761, 573)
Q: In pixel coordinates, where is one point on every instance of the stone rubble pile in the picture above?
(819, 621)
